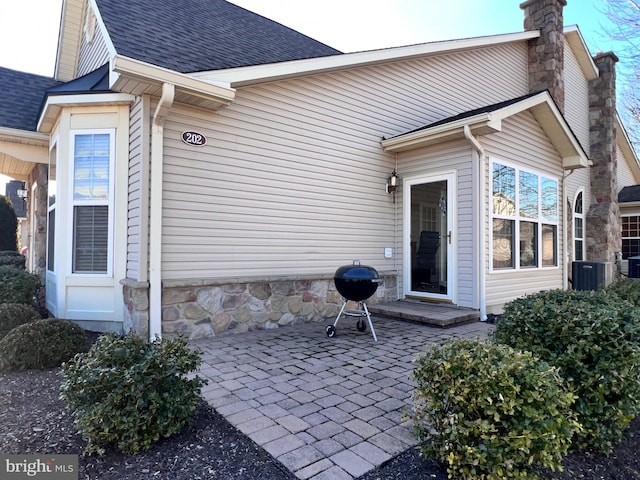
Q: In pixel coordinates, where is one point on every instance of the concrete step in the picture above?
(436, 314)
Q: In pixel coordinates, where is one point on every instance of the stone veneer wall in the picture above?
(546, 53)
(39, 176)
(205, 308)
(208, 308)
(603, 218)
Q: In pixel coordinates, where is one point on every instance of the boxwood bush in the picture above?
(594, 338)
(15, 314)
(128, 393)
(40, 344)
(18, 286)
(13, 259)
(487, 411)
(627, 289)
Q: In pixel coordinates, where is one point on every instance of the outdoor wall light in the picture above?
(392, 182)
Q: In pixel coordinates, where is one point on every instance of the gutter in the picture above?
(155, 210)
(482, 281)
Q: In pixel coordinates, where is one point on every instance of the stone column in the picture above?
(603, 224)
(546, 53)
(38, 225)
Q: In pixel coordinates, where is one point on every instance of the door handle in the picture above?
(449, 237)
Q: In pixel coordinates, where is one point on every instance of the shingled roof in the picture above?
(199, 35)
(21, 99)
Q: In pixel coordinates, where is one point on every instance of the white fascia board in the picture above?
(14, 135)
(55, 103)
(581, 51)
(242, 76)
(438, 133)
(152, 74)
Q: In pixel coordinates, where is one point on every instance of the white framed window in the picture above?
(524, 218)
(630, 236)
(92, 167)
(578, 227)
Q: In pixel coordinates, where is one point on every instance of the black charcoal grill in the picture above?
(355, 283)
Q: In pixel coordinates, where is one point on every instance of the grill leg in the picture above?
(340, 314)
(366, 310)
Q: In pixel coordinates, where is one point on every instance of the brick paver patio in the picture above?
(327, 408)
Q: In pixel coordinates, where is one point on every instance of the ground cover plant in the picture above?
(487, 411)
(594, 338)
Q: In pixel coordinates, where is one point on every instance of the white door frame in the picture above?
(451, 216)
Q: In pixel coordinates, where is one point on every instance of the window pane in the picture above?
(549, 245)
(579, 253)
(550, 199)
(504, 190)
(630, 248)
(528, 244)
(91, 167)
(578, 227)
(528, 195)
(90, 239)
(51, 235)
(578, 206)
(503, 240)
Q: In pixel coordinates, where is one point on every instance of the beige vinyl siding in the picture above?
(138, 190)
(576, 101)
(522, 142)
(625, 176)
(92, 54)
(292, 178)
(451, 157)
(69, 41)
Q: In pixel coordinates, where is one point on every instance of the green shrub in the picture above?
(129, 392)
(18, 286)
(13, 259)
(8, 225)
(627, 289)
(15, 314)
(594, 338)
(40, 344)
(490, 412)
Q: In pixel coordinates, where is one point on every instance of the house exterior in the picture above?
(195, 168)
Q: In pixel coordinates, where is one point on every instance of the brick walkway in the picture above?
(327, 408)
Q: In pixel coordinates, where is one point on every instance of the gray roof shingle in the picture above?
(21, 96)
(197, 35)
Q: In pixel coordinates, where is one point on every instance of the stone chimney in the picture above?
(603, 218)
(546, 53)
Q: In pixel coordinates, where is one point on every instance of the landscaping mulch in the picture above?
(34, 420)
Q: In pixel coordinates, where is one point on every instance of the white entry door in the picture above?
(428, 237)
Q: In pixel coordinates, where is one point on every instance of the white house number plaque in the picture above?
(194, 138)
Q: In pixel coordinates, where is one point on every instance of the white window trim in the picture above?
(52, 149)
(582, 216)
(73, 203)
(517, 218)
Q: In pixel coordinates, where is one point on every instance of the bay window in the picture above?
(524, 211)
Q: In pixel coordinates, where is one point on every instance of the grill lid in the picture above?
(356, 282)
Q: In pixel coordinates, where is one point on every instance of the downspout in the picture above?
(155, 211)
(481, 217)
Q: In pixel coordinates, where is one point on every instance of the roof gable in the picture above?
(488, 119)
(195, 35)
(21, 99)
